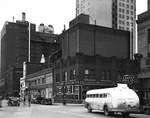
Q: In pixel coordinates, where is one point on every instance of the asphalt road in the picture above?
(55, 111)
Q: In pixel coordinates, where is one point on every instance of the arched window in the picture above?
(108, 75)
(92, 74)
(86, 73)
(103, 75)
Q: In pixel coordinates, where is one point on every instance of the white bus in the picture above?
(110, 100)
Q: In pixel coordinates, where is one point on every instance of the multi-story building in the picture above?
(92, 57)
(118, 14)
(15, 45)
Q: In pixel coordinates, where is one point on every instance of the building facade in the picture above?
(13, 76)
(143, 26)
(15, 46)
(38, 84)
(92, 57)
(75, 75)
(118, 14)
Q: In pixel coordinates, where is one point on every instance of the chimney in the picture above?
(23, 17)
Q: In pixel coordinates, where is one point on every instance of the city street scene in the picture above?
(56, 110)
(75, 59)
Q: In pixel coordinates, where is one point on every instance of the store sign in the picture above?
(127, 79)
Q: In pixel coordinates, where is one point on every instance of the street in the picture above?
(54, 111)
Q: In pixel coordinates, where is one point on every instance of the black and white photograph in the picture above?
(74, 58)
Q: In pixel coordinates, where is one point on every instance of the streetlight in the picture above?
(138, 58)
(64, 88)
(29, 97)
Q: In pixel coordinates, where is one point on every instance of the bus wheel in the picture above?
(106, 111)
(147, 111)
(125, 114)
(89, 109)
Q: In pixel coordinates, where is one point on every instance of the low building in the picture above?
(40, 84)
(75, 75)
(13, 75)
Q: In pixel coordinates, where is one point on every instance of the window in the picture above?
(119, 15)
(86, 74)
(92, 74)
(127, 23)
(43, 80)
(108, 75)
(103, 75)
(39, 81)
(122, 16)
(123, 22)
(72, 74)
(57, 77)
(148, 37)
(127, 6)
(127, 17)
(127, 11)
(65, 76)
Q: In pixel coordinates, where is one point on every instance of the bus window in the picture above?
(100, 95)
(104, 95)
(97, 95)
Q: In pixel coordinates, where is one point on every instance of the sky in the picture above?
(55, 12)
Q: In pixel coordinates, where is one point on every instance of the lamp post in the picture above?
(64, 88)
(29, 97)
(138, 58)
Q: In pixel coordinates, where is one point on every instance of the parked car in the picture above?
(38, 100)
(46, 101)
(146, 109)
(33, 100)
(13, 101)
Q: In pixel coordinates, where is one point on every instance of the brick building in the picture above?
(143, 26)
(14, 46)
(92, 57)
(13, 76)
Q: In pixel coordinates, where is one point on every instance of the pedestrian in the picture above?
(24, 101)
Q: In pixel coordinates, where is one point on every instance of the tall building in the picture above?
(14, 45)
(118, 14)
